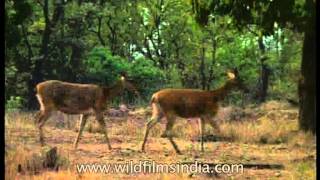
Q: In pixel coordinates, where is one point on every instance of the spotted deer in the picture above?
(74, 98)
(189, 103)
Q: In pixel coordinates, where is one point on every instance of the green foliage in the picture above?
(262, 13)
(37, 25)
(158, 43)
(147, 76)
(17, 11)
(284, 60)
(14, 103)
(105, 68)
(239, 52)
(173, 78)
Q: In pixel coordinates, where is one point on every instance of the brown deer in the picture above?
(187, 103)
(73, 98)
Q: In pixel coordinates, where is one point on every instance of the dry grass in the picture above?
(265, 138)
(262, 131)
(13, 158)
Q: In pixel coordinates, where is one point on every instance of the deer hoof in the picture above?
(42, 143)
(142, 149)
(164, 135)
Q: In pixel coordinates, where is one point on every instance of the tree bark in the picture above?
(202, 67)
(36, 74)
(112, 37)
(307, 88)
(263, 82)
(99, 32)
(213, 60)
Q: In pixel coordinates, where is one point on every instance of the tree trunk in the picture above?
(213, 60)
(202, 68)
(75, 61)
(99, 31)
(307, 96)
(36, 74)
(263, 82)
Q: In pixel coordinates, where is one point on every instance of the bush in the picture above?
(14, 103)
(145, 75)
(104, 68)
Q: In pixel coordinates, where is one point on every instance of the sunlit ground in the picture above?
(263, 135)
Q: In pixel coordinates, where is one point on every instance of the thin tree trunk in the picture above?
(213, 61)
(263, 82)
(202, 67)
(99, 31)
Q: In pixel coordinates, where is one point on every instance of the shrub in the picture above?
(14, 103)
(104, 68)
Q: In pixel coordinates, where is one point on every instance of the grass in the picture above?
(261, 131)
(265, 139)
(304, 170)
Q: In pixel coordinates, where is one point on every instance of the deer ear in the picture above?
(235, 71)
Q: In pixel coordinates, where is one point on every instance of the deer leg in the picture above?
(174, 145)
(42, 117)
(157, 114)
(83, 120)
(214, 125)
(153, 121)
(170, 124)
(68, 122)
(201, 129)
(99, 118)
(37, 117)
(169, 127)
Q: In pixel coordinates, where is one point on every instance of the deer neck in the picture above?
(114, 90)
(223, 91)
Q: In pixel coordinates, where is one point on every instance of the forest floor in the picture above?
(265, 134)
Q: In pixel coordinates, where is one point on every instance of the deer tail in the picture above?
(153, 99)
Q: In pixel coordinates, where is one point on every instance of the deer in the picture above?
(75, 98)
(189, 103)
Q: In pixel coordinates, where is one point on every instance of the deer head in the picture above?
(127, 84)
(235, 81)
